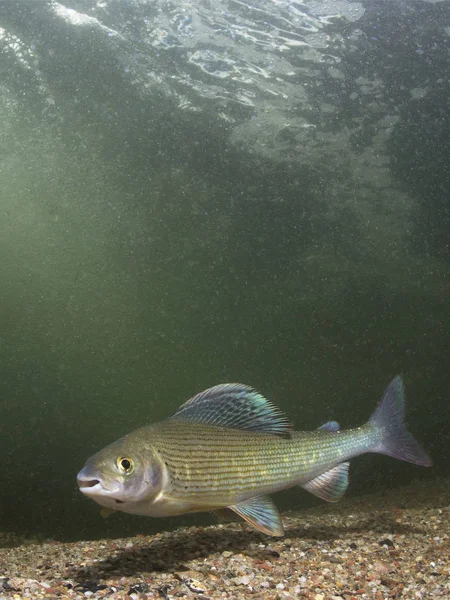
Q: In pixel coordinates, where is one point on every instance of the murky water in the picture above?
(200, 192)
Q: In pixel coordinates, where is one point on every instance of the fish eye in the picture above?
(125, 465)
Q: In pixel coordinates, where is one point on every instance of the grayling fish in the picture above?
(229, 447)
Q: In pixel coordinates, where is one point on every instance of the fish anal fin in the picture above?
(331, 485)
(261, 513)
(236, 406)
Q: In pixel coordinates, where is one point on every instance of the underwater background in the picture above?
(196, 192)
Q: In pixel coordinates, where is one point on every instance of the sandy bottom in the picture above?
(394, 545)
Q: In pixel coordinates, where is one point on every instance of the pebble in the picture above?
(325, 556)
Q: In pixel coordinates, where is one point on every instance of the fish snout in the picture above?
(91, 483)
(88, 482)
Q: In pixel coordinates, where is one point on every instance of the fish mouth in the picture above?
(95, 488)
(88, 483)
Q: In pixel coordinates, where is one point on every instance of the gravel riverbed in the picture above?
(390, 545)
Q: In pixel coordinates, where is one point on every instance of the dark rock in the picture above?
(90, 586)
(163, 591)
(4, 585)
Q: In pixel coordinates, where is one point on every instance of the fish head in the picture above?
(125, 476)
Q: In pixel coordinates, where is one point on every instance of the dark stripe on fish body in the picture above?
(202, 459)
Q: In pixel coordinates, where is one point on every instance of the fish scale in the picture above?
(274, 461)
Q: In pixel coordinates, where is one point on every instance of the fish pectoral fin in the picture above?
(261, 513)
(331, 485)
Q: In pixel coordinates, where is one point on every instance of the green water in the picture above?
(146, 256)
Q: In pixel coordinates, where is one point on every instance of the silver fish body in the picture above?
(229, 447)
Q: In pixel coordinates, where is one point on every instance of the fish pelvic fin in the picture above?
(260, 512)
(331, 485)
(389, 420)
(330, 426)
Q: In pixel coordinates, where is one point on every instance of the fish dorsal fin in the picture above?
(261, 513)
(331, 485)
(330, 426)
(236, 406)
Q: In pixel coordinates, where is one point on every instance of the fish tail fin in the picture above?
(389, 421)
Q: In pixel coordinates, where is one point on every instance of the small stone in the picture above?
(382, 568)
(195, 585)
